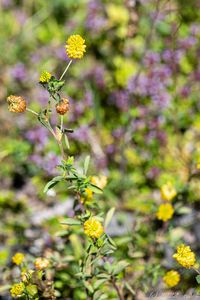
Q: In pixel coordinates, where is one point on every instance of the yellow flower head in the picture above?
(165, 212)
(16, 104)
(168, 191)
(171, 278)
(75, 46)
(93, 228)
(45, 77)
(88, 196)
(18, 258)
(41, 263)
(17, 289)
(99, 181)
(184, 256)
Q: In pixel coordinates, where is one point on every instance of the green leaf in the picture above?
(88, 286)
(121, 265)
(71, 221)
(99, 296)
(95, 189)
(86, 164)
(103, 275)
(198, 279)
(109, 216)
(52, 183)
(32, 289)
(112, 243)
(67, 142)
(129, 288)
(99, 282)
(42, 117)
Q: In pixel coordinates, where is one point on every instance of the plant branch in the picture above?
(32, 111)
(121, 297)
(63, 74)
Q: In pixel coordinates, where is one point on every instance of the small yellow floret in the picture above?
(17, 289)
(75, 46)
(171, 278)
(168, 191)
(87, 196)
(18, 258)
(93, 228)
(165, 212)
(45, 77)
(184, 256)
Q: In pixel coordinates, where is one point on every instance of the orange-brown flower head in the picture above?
(16, 104)
(63, 106)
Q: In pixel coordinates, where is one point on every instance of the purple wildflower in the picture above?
(18, 72)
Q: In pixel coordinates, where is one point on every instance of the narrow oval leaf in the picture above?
(86, 164)
(52, 183)
(71, 221)
(109, 216)
(67, 142)
(95, 189)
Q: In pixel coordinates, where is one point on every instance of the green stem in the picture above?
(61, 122)
(61, 77)
(32, 111)
(198, 272)
(121, 297)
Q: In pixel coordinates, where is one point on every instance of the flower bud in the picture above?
(16, 104)
(41, 263)
(63, 106)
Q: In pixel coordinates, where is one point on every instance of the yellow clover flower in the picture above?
(168, 191)
(45, 77)
(184, 256)
(88, 196)
(99, 181)
(17, 289)
(41, 263)
(75, 46)
(171, 278)
(18, 258)
(93, 228)
(165, 212)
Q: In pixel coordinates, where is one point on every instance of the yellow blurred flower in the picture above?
(41, 263)
(184, 256)
(87, 196)
(117, 14)
(75, 46)
(168, 191)
(45, 77)
(93, 228)
(17, 289)
(198, 164)
(16, 104)
(165, 212)
(99, 181)
(18, 258)
(171, 278)
(125, 68)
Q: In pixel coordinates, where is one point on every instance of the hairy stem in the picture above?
(120, 295)
(63, 74)
(32, 111)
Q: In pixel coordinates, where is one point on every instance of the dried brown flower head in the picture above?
(16, 104)
(63, 106)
